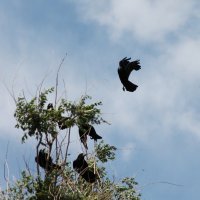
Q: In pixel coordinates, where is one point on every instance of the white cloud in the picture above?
(148, 20)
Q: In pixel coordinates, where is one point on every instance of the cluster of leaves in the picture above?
(105, 152)
(35, 119)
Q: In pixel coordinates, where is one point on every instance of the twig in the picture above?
(11, 93)
(161, 182)
(27, 167)
(8, 173)
(37, 150)
(57, 77)
(68, 142)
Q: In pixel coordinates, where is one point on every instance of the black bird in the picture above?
(43, 162)
(81, 166)
(89, 176)
(49, 106)
(85, 130)
(124, 70)
(92, 133)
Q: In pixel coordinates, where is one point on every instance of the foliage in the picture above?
(45, 124)
(105, 152)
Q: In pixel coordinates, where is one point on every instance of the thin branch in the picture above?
(68, 142)
(8, 173)
(161, 182)
(11, 93)
(27, 167)
(57, 77)
(37, 152)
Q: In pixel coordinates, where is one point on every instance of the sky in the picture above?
(156, 128)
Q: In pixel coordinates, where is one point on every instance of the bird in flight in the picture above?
(124, 70)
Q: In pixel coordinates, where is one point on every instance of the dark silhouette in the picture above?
(124, 70)
(81, 166)
(89, 176)
(44, 162)
(92, 133)
(85, 130)
(50, 106)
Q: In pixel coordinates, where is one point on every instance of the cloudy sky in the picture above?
(157, 127)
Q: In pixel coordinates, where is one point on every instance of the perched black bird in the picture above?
(85, 130)
(49, 106)
(43, 162)
(81, 166)
(124, 70)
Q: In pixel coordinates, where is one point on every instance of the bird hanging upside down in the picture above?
(85, 130)
(124, 70)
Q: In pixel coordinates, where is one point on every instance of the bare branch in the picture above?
(57, 77)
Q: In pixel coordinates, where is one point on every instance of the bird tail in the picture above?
(130, 86)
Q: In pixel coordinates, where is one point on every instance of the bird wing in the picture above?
(134, 65)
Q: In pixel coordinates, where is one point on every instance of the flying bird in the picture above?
(85, 130)
(81, 166)
(44, 162)
(124, 70)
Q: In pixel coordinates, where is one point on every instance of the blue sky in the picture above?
(156, 128)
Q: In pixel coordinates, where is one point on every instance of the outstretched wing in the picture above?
(134, 65)
(125, 61)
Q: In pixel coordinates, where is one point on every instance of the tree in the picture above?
(55, 178)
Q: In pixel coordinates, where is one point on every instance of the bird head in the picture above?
(49, 106)
(81, 156)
